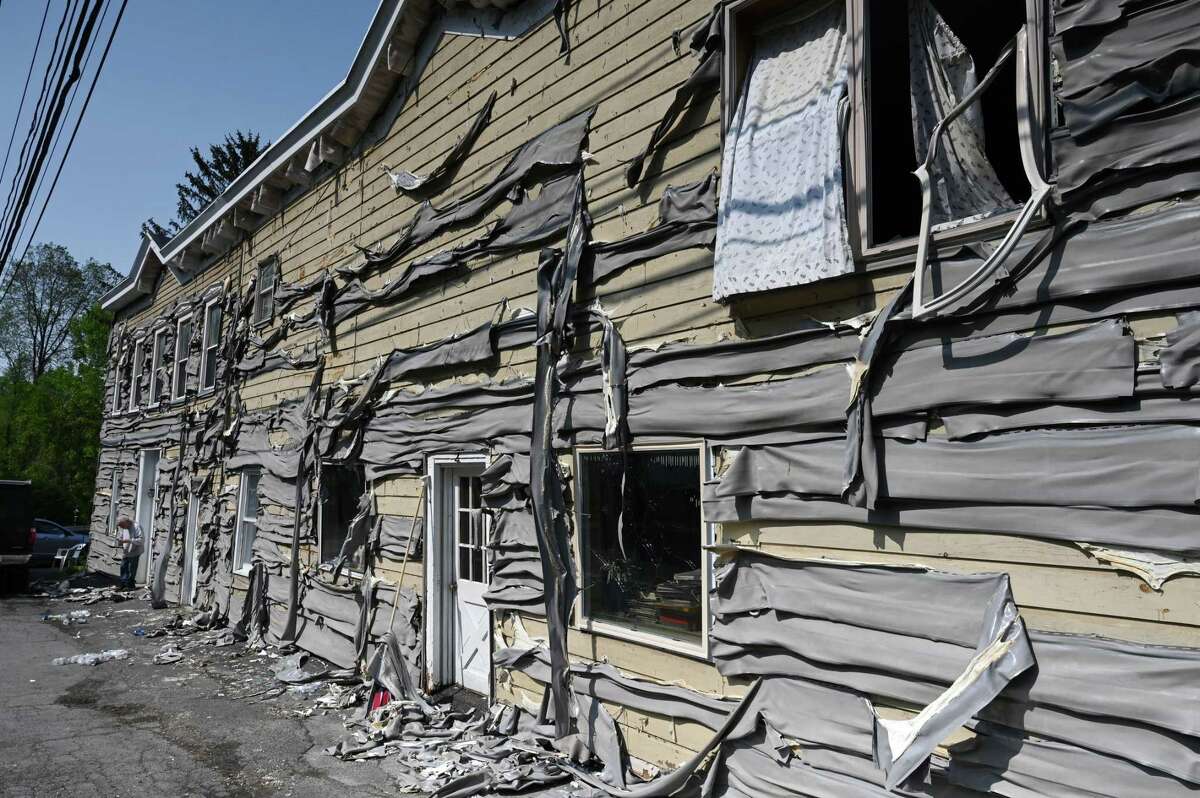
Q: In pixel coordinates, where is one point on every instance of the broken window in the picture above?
(135, 382)
(641, 552)
(342, 488)
(830, 107)
(210, 345)
(247, 526)
(183, 337)
(911, 82)
(264, 292)
(158, 353)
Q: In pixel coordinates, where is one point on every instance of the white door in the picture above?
(187, 588)
(463, 530)
(147, 486)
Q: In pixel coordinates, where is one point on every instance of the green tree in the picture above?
(54, 340)
(214, 172)
(46, 290)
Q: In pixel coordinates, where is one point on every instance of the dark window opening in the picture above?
(342, 489)
(657, 584)
(983, 28)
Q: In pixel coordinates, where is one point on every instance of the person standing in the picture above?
(132, 544)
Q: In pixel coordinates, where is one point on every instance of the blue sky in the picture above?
(180, 74)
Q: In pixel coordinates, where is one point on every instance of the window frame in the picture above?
(118, 407)
(179, 386)
(115, 488)
(135, 372)
(240, 567)
(206, 345)
(326, 566)
(582, 622)
(156, 355)
(264, 315)
(857, 156)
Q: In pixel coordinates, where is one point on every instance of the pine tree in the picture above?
(214, 172)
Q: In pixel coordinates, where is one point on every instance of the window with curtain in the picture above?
(782, 215)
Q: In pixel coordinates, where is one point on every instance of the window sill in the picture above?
(243, 571)
(693, 650)
(904, 251)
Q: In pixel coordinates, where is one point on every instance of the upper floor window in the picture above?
(210, 345)
(119, 385)
(641, 549)
(264, 291)
(183, 340)
(137, 369)
(158, 354)
(831, 106)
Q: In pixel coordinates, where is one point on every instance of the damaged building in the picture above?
(793, 396)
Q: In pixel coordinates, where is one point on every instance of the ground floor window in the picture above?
(641, 544)
(342, 488)
(247, 528)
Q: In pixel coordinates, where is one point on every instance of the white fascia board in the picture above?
(328, 110)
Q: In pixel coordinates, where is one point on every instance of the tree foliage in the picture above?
(213, 173)
(46, 291)
(50, 427)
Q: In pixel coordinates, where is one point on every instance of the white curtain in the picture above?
(782, 216)
(942, 72)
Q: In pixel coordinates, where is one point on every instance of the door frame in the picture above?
(439, 560)
(143, 574)
(191, 550)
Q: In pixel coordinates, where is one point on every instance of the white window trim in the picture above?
(154, 398)
(858, 135)
(243, 568)
(205, 345)
(175, 359)
(192, 530)
(619, 631)
(261, 318)
(117, 407)
(135, 371)
(115, 487)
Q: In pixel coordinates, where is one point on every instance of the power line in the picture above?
(21, 106)
(67, 115)
(81, 35)
(36, 120)
(71, 141)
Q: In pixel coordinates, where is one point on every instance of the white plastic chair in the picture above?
(64, 557)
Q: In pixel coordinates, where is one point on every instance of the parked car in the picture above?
(17, 534)
(51, 537)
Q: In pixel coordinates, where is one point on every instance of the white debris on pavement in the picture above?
(92, 659)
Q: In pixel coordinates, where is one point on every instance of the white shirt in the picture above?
(132, 540)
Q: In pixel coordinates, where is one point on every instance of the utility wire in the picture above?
(21, 106)
(37, 193)
(80, 37)
(71, 141)
(36, 120)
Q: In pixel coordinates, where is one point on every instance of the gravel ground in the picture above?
(207, 725)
